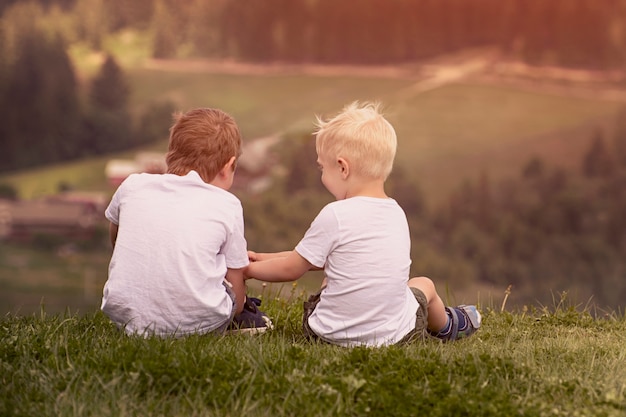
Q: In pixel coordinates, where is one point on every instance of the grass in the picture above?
(30, 277)
(537, 362)
(87, 174)
(262, 104)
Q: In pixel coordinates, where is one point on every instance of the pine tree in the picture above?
(619, 142)
(108, 125)
(42, 120)
(110, 90)
(597, 161)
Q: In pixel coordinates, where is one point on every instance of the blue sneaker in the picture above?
(465, 321)
(251, 320)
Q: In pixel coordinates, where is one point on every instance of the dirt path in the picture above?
(483, 65)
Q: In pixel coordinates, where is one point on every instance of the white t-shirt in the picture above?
(364, 245)
(177, 236)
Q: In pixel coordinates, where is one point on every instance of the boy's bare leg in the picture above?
(437, 316)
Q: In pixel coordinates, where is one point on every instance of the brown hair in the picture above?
(202, 140)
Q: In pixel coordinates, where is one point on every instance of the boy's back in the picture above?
(170, 257)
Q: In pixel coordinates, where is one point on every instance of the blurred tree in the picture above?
(302, 172)
(108, 124)
(44, 115)
(105, 132)
(619, 141)
(8, 192)
(408, 194)
(597, 161)
(18, 21)
(166, 32)
(203, 30)
(297, 39)
(155, 123)
(534, 168)
(539, 31)
(484, 203)
(576, 33)
(582, 37)
(109, 89)
(615, 229)
(92, 21)
(124, 14)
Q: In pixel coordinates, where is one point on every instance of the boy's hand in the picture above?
(253, 256)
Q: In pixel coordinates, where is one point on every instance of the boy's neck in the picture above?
(367, 188)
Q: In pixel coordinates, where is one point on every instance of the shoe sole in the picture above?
(248, 331)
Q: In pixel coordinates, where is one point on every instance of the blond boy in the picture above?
(178, 238)
(362, 243)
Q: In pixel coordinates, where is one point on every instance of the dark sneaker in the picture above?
(251, 320)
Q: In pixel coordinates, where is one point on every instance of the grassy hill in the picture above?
(539, 362)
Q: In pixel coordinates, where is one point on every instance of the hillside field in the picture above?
(445, 135)
(467, 125)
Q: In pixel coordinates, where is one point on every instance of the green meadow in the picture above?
(556, 361)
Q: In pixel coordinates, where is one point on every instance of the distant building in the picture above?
(256, 164)
(96, 199)
(25, 220)
(253, 168)
(117, 170)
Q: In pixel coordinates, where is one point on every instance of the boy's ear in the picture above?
(230, 165)
(344, 167)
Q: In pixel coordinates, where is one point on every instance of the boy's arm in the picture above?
(279, 268)
(113, 228)
(256, 256)
(235, 277)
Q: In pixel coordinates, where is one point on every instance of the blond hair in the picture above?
(361, 135)
(202, 140)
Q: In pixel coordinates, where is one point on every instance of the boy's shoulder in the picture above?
(363, 201)
(361, 206)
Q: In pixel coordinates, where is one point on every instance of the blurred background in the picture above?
(510, 114)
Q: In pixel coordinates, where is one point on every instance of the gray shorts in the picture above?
(421, 317)
(231, 294)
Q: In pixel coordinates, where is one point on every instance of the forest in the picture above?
(546, 229)
(576, 33)
(38, 82)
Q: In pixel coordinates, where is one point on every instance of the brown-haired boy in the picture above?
(178, 238)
